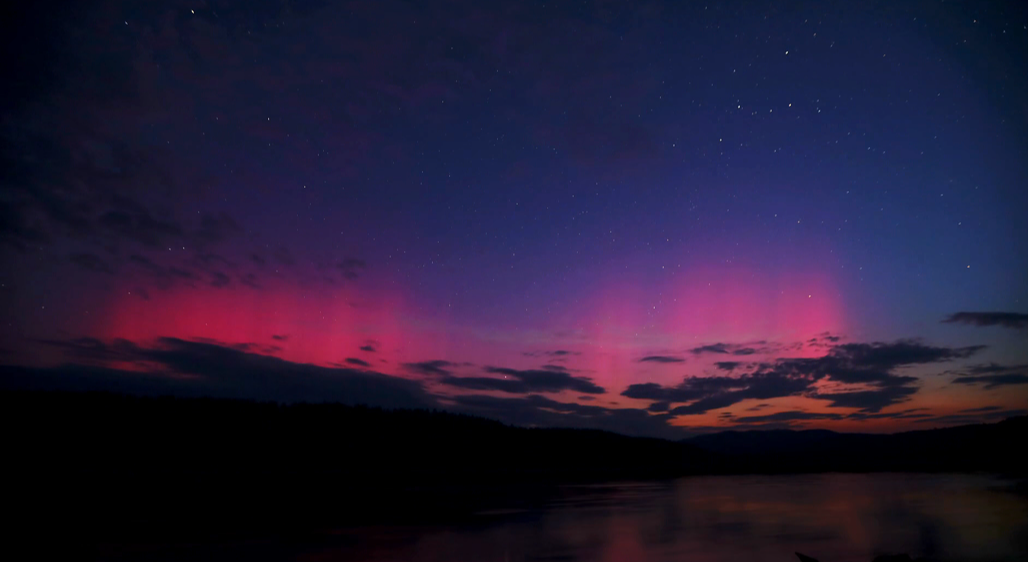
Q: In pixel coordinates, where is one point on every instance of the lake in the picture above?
(833, 517)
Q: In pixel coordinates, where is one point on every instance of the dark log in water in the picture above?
(881, 558)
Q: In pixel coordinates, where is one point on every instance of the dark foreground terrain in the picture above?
(106, 468)
(114, 468)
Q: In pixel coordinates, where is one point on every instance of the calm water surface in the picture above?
(834, 517)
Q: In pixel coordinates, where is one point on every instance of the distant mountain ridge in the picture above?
(994, 447)
(757, 441)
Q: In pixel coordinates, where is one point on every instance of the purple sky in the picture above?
(640, 216)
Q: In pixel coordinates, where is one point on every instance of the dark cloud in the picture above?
(369, 348)
(516, 381)
(351, 268)
(199, 368)
(209, 260)
(981, 409)
(283, 256)
(727, 365)
(358, 362)
(726, 348)
(1014, 320)
(132, 221)
(992, 375)
(92, 349)
(712, 348)
(969, 418)
(18, 228)
(539, 411)
(788, 417)
(994, 381)
(549, 380)
(215, 228)
(110, 214)
(219, 279)
(91, 262)
(659, 407)
(868, 400)
(654, 391)
(177, 367)
(661, 359)
(165, 272)
(706, 404)
(437, 368)
(554, 353)
(890, 355)
(909, 414)
(824, 339)
(995, 369)
(871, 365)
(248, 347)
(250, 280)
(553, 378)
(140, 227)
(280, 337)
(164, 275)
(100, 177)
(720, 392)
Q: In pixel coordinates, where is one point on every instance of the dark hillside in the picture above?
(991, 447)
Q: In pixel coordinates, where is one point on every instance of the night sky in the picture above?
(648, 217)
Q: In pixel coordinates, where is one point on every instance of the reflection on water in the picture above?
(834, 517)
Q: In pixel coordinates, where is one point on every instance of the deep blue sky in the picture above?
(476, 186)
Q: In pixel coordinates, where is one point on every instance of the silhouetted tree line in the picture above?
(133, 435)
(113, 467)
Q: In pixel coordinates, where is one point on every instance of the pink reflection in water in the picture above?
(834, 517)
